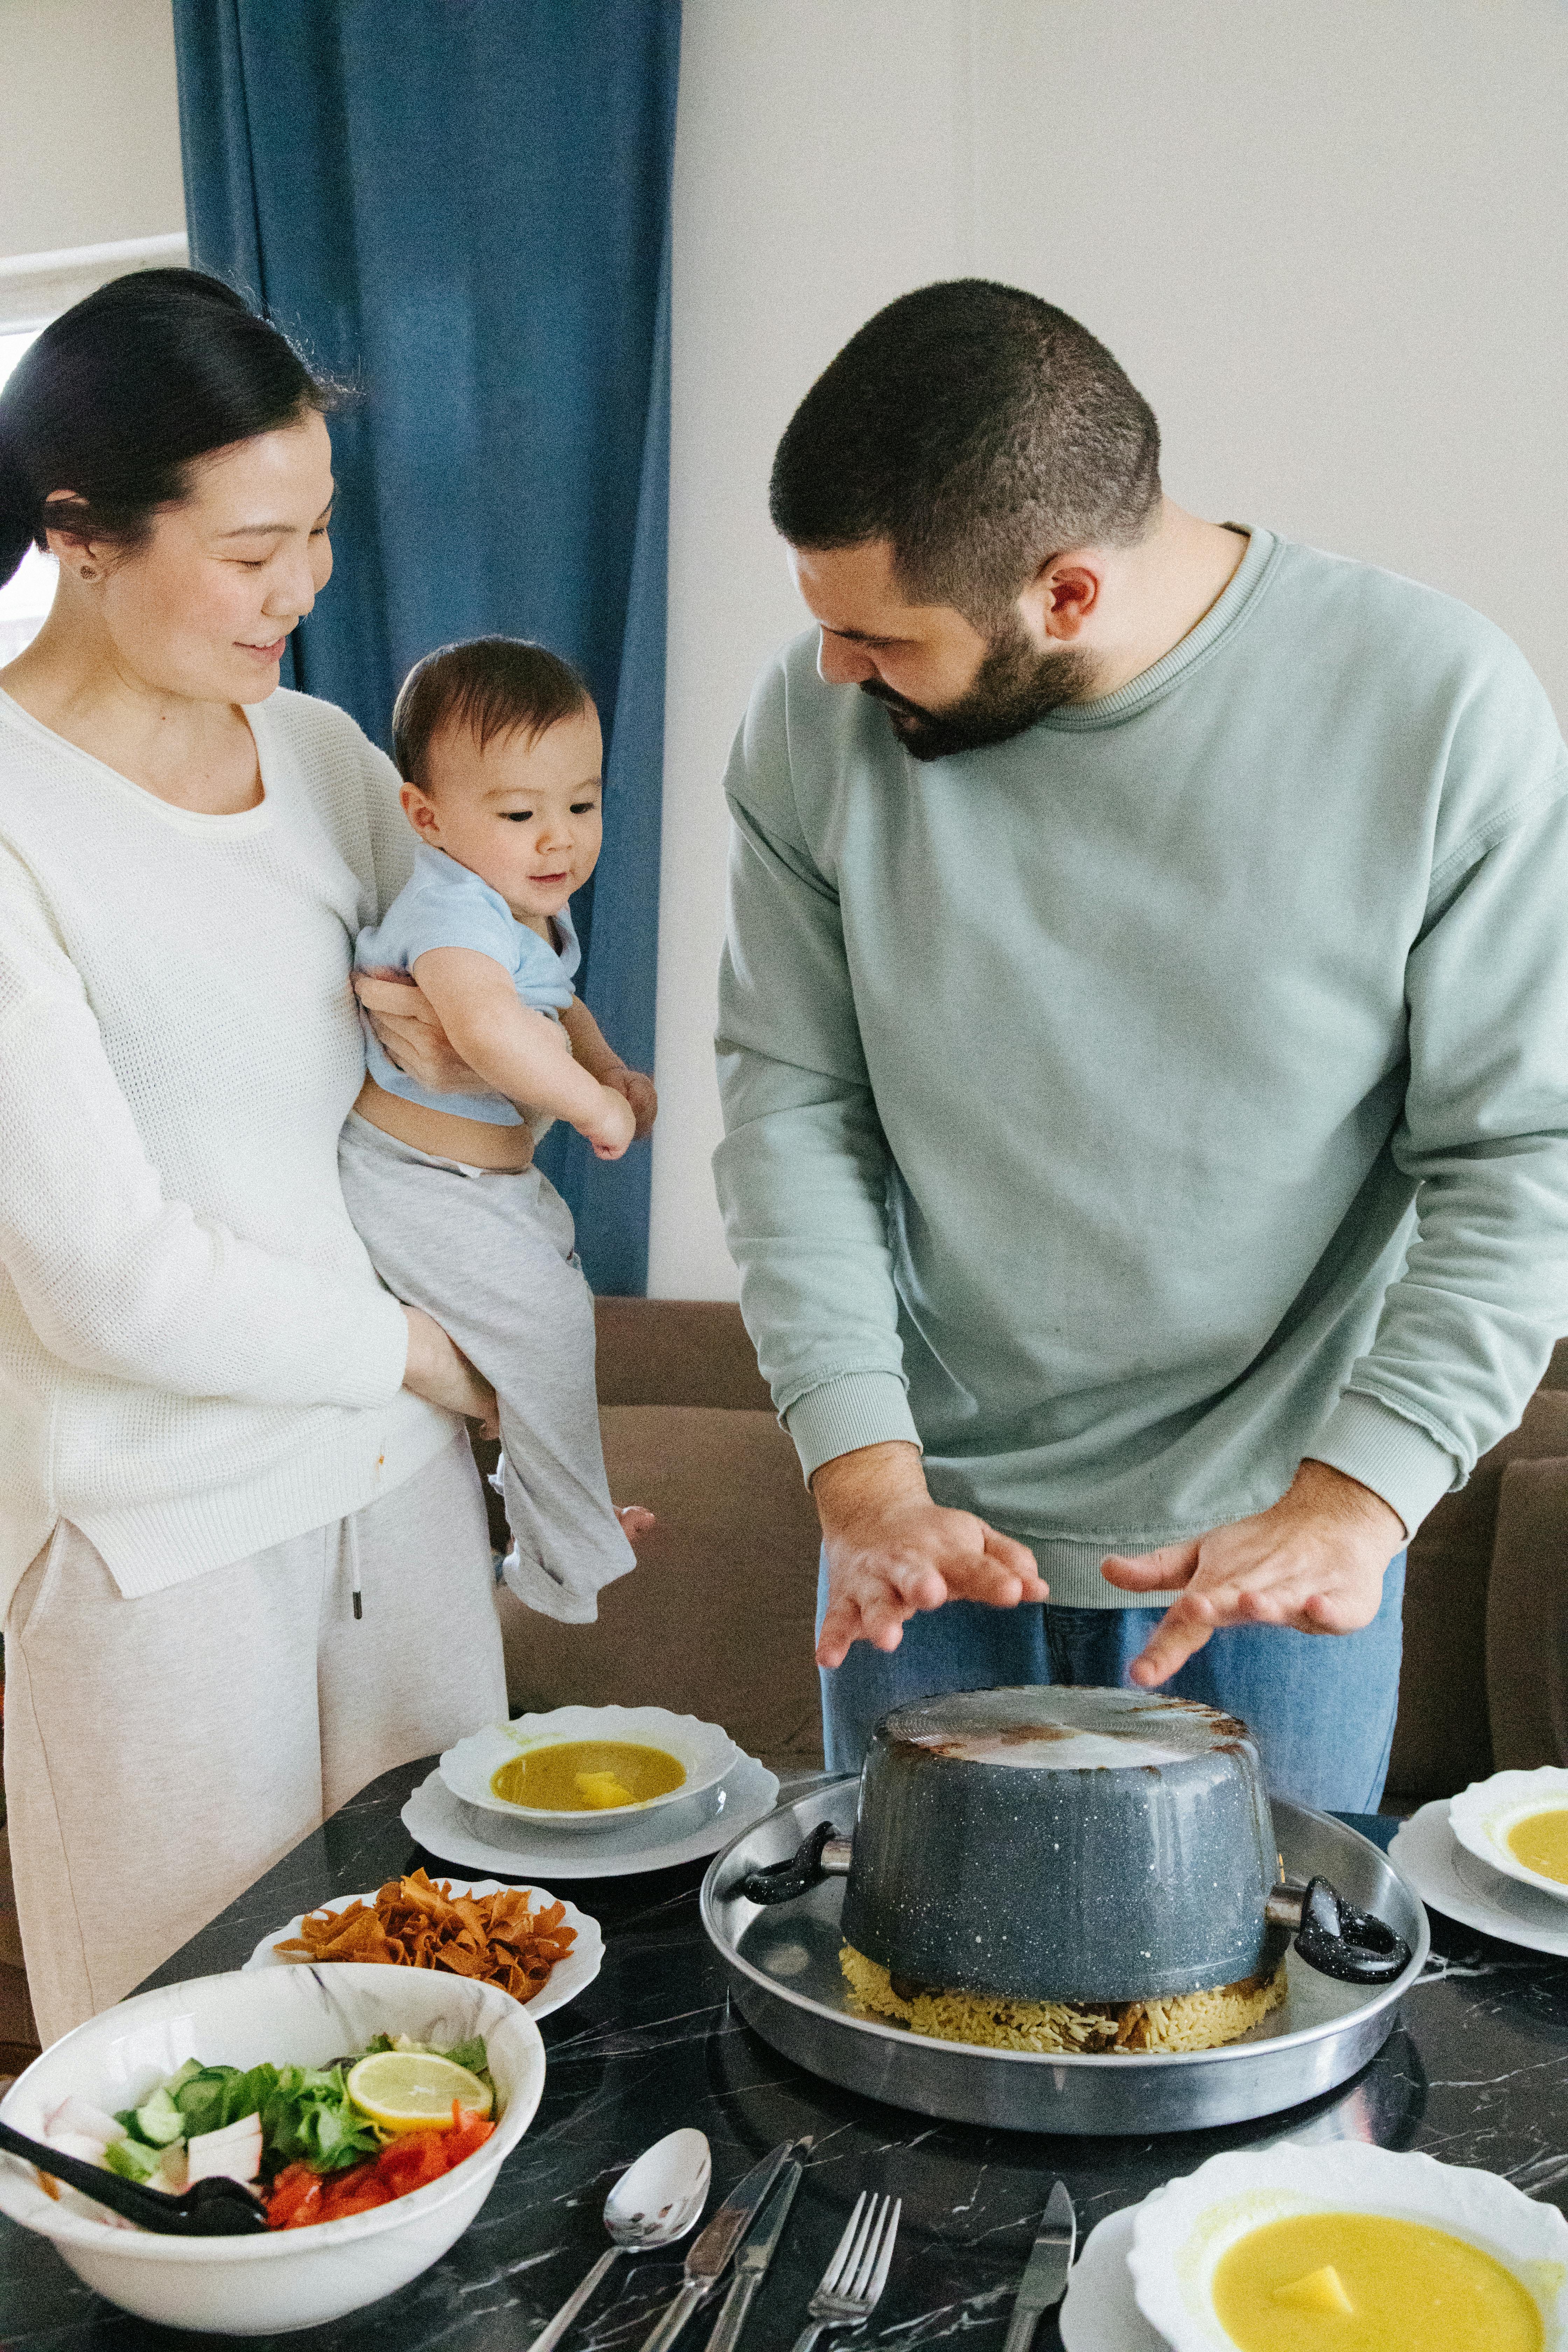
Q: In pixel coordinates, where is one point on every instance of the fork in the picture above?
(852, 2283)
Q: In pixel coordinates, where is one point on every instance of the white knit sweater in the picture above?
(196, 1359)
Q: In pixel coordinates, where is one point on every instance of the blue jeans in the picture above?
(1321, 1705)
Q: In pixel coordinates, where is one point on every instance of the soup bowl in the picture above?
(704, 1752)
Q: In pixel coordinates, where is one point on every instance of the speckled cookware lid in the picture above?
(1057, 1844)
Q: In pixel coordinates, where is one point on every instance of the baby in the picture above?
(499, 743)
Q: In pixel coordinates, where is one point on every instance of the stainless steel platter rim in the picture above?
(1122, 2064)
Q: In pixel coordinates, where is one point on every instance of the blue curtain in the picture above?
(462, 206)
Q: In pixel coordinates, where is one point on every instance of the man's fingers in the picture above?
(1164, 1570)
(919, 1585)
(840, 1627)
(1183, 1631)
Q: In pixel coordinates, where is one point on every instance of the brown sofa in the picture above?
(718, 1618)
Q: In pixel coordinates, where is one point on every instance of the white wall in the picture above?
(1326, 240)
(90, 133)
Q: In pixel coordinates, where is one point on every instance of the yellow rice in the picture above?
(1187, 2020)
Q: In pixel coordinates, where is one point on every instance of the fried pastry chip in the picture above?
(417, 1924)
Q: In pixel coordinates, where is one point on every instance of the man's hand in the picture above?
(406, 1023)
(1315, 1561)
(638, 1091)
(891, 1551)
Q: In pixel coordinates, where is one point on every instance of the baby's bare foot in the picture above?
(634, 1520)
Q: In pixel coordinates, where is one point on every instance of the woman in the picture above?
(240, 1528)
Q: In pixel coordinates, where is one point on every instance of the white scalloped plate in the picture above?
(1445, 1874)
(1101, 2314)
(567, 1978)
(704, 1751)
(1482, 1815)
(1181, 2234)
(690, 1832)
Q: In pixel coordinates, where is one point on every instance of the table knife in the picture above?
(708, 2256)
(1045, 2275)
(757, 2251)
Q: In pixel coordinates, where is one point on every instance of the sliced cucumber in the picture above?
(159, 2120)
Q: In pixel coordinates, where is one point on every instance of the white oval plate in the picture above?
(475, 1841)
(1482, 1815)
(567, 1978)
(1181, 2235)
(1447, 1875)
(705, 1749)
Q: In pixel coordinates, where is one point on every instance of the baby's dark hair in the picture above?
(492, 685)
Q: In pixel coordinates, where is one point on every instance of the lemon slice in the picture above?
(405, 2091)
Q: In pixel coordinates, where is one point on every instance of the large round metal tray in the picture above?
(785, 1981)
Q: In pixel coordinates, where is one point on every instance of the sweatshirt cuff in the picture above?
(1398, 1459)
(857, 1408)
(370, 1365)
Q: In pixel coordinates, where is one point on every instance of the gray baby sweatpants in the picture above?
(489, 1254)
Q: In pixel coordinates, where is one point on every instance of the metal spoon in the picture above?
(655, 2201)
(212, 2209)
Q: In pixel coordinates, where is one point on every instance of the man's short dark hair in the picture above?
(980, 431)
(492, 685)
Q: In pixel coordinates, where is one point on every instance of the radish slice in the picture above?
(76, 2143)
(232, 2154)
(84, 2121)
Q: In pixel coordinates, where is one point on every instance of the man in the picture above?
(1143, 1041)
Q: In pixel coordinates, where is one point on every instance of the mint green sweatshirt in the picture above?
(1128, 1110)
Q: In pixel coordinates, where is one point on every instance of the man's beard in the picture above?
(1016, 684)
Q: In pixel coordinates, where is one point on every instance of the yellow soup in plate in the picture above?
(586, 1776)
(1363, 2282)
(1540, 1843)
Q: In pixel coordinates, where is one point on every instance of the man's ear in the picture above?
(1061, 596)
(420, 811)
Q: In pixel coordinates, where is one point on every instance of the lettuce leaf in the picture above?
(309, 2115)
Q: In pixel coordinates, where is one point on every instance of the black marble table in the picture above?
(1476, 2073)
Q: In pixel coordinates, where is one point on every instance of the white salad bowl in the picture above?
(1183, 2232)
(1482, 1815)
(704, 1751)
(304, 2016)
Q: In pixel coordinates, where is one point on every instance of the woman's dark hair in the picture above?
(121, 392)
(980, 431)
(492, 685)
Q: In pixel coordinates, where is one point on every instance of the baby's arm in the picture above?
(517, 1050)
(599, 1059)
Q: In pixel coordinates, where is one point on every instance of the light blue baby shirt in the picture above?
(443, 904)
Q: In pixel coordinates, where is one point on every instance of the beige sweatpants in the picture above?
(161, 1753)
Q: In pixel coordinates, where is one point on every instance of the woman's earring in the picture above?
(88, 572)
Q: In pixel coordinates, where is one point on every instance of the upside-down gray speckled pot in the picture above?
(1055, 1843)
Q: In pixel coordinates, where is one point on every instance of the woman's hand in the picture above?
(442, 1374)
(410, 1031)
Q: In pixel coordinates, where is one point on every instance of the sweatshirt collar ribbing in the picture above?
(1223, 616)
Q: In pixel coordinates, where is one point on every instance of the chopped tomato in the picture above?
(299, 2196)
(296, 2197)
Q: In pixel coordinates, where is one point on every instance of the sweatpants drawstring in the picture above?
(353, 1563)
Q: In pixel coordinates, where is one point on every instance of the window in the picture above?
(34, 288)
(26, 597)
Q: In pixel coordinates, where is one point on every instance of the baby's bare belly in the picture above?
(475, 1141)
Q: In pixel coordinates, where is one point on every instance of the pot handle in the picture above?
(823, 1854)
(1334, 1937)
